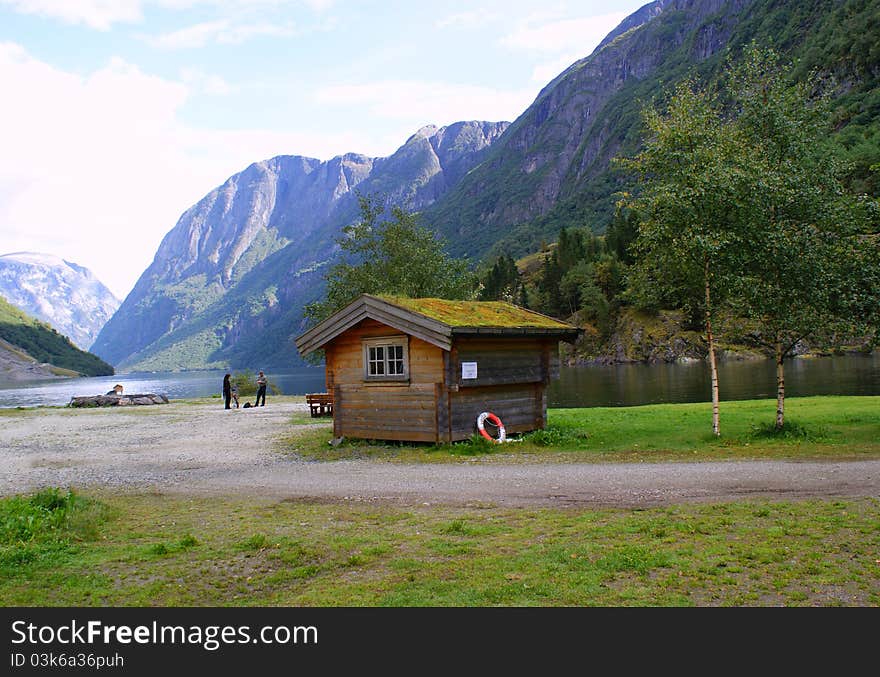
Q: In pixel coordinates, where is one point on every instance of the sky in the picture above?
(118, 115)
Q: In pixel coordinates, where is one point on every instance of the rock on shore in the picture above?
(117, 400)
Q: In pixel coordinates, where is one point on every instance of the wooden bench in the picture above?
(321, 404)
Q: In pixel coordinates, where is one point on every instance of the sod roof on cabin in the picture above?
(437, 321)
(476, 313)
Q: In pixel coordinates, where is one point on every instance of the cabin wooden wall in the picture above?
(437, 405)
(383, 410)
(344, 356)
(512, 378)
(388, 412)
(519, 406)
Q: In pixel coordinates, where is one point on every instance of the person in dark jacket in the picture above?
(227, 389)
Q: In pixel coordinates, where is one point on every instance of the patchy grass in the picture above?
(178, 551)
(817, 427)
(46, 529)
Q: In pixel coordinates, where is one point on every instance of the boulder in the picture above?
(117, 400)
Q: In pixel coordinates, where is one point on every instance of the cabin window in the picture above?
(386, 359)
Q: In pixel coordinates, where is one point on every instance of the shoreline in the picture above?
(197, 448)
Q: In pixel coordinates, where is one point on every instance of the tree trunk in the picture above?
(713, 367)
(780, 386)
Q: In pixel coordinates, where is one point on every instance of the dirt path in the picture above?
(201, 449)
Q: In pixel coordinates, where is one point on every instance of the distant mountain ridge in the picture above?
(552, 168)
(229, 282)
(245, 259)
(63, 294)
(30, 348)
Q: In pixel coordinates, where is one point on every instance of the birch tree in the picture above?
(804, 231)
(742, 204)
(691, 188)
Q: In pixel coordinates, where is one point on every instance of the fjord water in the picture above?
(634, 384)
(585, 386)
(175, 385)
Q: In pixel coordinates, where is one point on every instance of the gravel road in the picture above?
(202, 449)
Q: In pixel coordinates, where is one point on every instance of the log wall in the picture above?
(344, 356)
(405, 411)
(436, 404)
(520, 408)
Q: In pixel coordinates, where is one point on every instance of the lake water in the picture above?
(173, 384)
(634, 384)
(587, 386)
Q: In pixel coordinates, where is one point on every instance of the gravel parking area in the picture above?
(202, 449)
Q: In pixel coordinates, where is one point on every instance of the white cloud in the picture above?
(97, 14)
(473, 19)
(198, 35)
(102, 14)
(563, 39)
(223, 31)
(206, 83)
(319, 5)
(97, 168)
(562, 34)
(420, 103)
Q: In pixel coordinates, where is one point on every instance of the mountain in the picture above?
(30, 348)
(552, 167)
(62, 294)
(17, 365)
(228, 282)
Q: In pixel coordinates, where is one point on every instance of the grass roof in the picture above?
(476, 313)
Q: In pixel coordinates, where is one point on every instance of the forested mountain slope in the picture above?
(552, 168)
(229, 282)
(44, 344)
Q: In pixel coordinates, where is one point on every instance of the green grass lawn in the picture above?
(61, 549)
(816, 427)
(154, 550)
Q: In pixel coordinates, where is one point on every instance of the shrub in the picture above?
(553, 436)
(790, 431)
(246, 382)
(39, 529)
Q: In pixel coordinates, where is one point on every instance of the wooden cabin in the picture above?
(425, 369)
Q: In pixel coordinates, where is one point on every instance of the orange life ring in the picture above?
(481, 419)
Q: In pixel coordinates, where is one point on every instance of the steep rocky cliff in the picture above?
(551, 166)
(229, 280)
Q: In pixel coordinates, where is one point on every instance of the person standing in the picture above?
(227, 390)
(261, 390)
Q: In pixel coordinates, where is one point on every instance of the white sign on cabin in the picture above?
(468, 370)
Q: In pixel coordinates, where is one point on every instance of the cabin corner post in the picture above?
(541, 387)
(545, 362)
(443, 401)
(441, 414)
(540, 406)
(337, 412)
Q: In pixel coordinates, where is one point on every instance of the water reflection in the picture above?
(587, 386)
(634, 384)
(175, 385)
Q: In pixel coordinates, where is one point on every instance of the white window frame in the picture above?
(384, 343)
